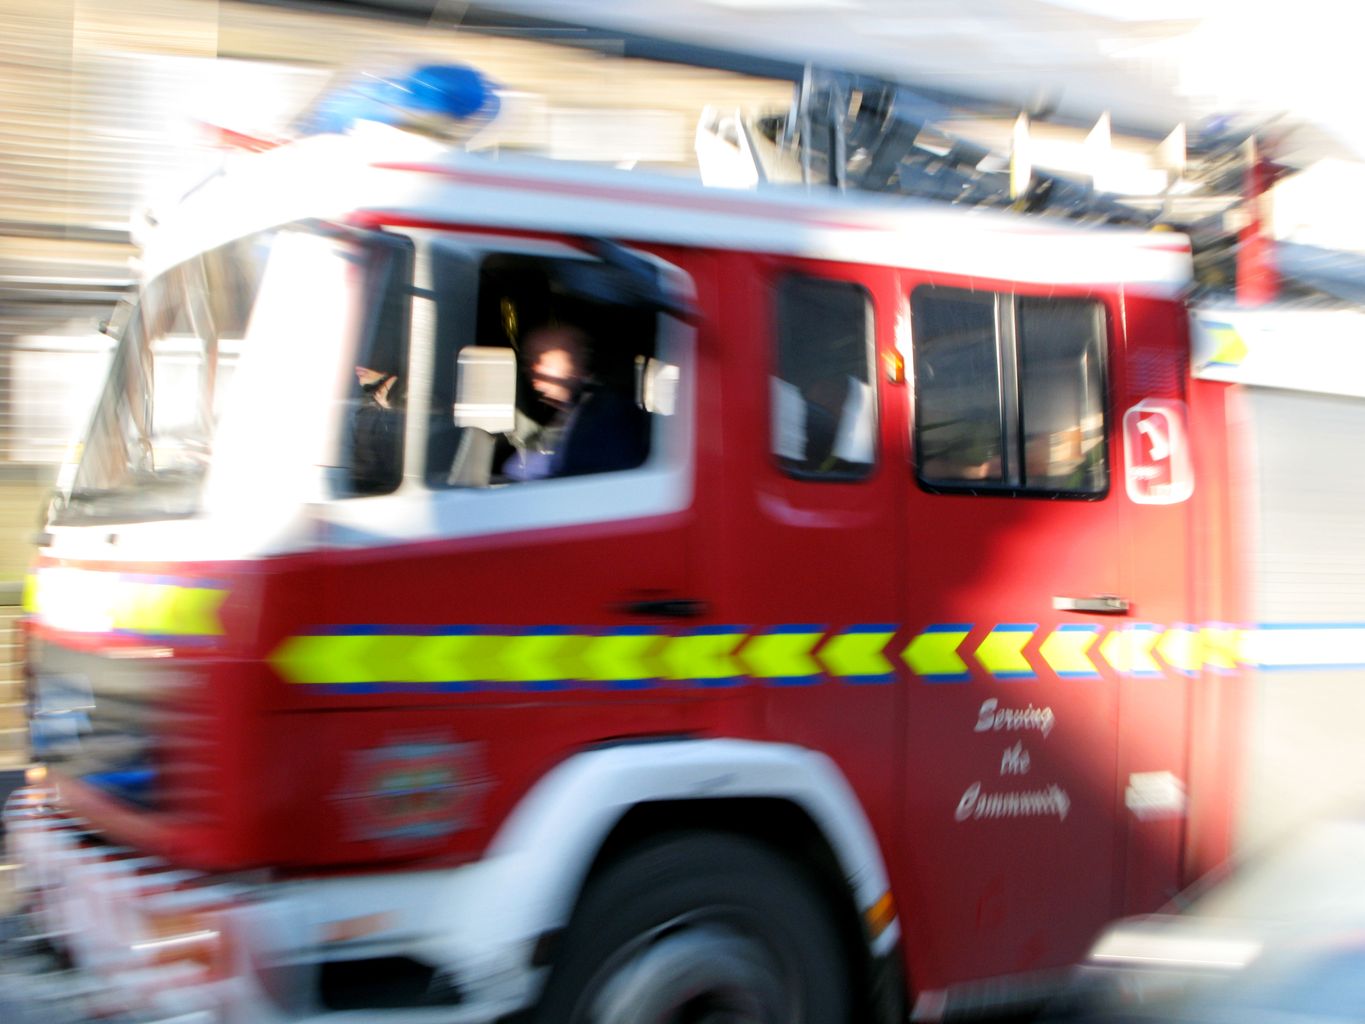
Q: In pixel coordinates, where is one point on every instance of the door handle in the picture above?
(668, 608)
(1100, 604)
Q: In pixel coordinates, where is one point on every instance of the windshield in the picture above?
(148, 445)
(215, 342)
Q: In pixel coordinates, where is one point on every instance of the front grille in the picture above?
(99, 717)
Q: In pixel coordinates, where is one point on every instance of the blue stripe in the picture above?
(880, 627)
(793, 629)
(169, 639)
(356, 629)
(632, 631)
(1014, 676)
(547, 685)
(1078, 628)
(961, 677)
(878, 680)
(172, 581)
(1308, 625)
(715, 631)
(809, 680)
(720, 682)
(629, 684)
(1264, 666)
(949, 627)
(1016, 627)
(1078, 675)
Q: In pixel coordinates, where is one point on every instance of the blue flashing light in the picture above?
(450, 89)
(445, 90)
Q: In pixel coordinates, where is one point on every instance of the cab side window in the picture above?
(378, 396)
(824, 413)
(555, 370)
(1010, 393)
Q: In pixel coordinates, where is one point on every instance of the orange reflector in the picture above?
(356, 927)
(880, 915)
(187, 936)
(36, 775)
(895, 367)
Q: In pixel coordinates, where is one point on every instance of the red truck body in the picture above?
(1017, 679)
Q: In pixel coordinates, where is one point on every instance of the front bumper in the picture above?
(104, 933)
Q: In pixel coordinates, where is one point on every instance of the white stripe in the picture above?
(1309, 646)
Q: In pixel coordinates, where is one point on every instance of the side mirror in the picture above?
(486, 390)
(114, 324)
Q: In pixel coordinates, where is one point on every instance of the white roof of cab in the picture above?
(410, 178)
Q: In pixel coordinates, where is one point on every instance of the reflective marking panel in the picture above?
(1002, 652)
(1290, 645)
(933, 653)
(94, 601)
(783, 654)
(622, 656)
(1065, 651)
(551, 655)
(706, 655)
(461, 658)
(1180, 648)
(1219, 646)
(1129, 650)
(856, 654)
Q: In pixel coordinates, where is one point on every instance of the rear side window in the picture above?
(1009, 393)
(1061, 395)
(824, 413)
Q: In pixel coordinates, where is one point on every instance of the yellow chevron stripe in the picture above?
(1221, 646)
(1182, 649)
(702, 656)
(934, 653)
(1065, 651)
(1130, 650)
(322, 659)
(615, 658)
(857, 654)
(551, 657)
(781, 655)
(1002, 652)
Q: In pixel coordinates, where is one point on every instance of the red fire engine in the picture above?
(874, 671)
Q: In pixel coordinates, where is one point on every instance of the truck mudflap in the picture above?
(104, 933)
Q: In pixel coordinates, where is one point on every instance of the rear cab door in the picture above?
(1015, 540)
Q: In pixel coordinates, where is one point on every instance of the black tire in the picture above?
(699, 928)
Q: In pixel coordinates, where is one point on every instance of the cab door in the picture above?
(1016, 586)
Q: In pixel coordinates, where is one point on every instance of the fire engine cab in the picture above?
(828, 629)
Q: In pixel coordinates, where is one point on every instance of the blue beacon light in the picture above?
(445, 90)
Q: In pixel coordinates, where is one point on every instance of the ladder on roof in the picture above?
(857, 132)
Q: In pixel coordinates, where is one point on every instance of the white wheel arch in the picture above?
(550, 840)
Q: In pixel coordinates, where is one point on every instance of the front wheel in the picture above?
(699, 929)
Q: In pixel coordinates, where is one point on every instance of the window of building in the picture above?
(1009, 393)
(824, 410)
